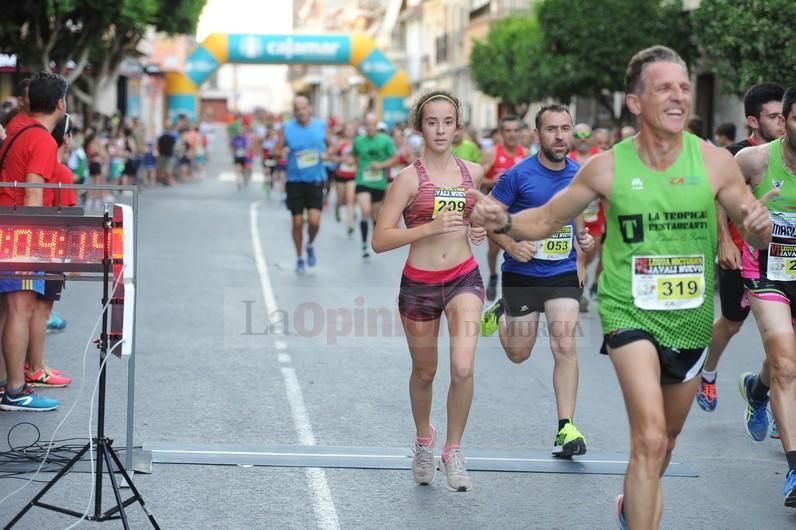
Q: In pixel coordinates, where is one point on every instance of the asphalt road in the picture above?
(212, 368)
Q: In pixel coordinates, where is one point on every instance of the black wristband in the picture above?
(506, 227)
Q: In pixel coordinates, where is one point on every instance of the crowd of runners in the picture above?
(666, 215)
(656, 214)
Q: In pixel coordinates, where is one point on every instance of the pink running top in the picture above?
(430, 198)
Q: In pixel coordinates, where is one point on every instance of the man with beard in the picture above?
(770, 279)
(656, 289)
(542, 276)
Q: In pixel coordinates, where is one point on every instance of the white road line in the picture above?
(325, 511)
(229, 176)
(280, 345)
(284, 358)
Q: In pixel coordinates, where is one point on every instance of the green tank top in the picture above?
(778, 262)
(776, 176)
(660, 248)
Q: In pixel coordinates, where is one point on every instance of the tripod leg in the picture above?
(56, 478)
(106, 454)
(132, 487)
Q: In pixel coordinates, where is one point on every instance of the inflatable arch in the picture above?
(391, 82)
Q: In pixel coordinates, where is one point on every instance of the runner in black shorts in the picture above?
(762, 105)
(306, 140)
(304, 196)
(542, 276)
(375, 153)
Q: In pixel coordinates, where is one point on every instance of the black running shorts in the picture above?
(375, 195)
(523, 295)
(304, 196)
(677, 365)
(731, 291)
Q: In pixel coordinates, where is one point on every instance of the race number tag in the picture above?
(307, 158)
(454, 198)
(668, 282)
(781, 262)
(240, 152)
(372, 175)
(556, 247)
(592, 211)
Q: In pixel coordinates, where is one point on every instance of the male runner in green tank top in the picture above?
(656, 290)
(770, 280)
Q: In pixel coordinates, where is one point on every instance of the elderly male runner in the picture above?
(656, 298)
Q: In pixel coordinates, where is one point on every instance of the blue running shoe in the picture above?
(300, 268)
(311, 259)
(620, 512)
(790, 489)
(28, 400)
(55, 322)
(707, 398)
(756, 415)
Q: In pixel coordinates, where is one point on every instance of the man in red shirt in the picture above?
(29, 154)
(497, 161)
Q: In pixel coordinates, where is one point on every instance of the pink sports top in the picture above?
(430, 198)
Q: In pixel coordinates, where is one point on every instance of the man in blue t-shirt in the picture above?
(542, 276)
(306, 139)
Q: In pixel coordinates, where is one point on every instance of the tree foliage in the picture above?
(748, 42)
(593, 40)
(509, 63)
(575, 48)
(70, 35)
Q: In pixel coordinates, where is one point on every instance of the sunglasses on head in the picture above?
(582, 135)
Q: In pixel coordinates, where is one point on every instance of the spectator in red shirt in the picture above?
(29, 154)
(36, 371)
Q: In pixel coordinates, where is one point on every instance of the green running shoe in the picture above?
(569, 442)
(489, 320)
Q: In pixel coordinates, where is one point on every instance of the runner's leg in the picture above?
(779, 341)
(518, 335)
(562, 322)
(298, 229)
(638, 370)
(421, 337)
(463, 313)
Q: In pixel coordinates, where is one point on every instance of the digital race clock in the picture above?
(54, 243)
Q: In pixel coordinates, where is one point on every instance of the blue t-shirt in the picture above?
(240, 146)
(307, 145)
(529, 185)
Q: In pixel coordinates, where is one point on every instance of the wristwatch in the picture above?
(506, 227)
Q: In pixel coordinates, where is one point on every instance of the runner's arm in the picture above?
(729, 256)
(280, 142)
(749, 214)
(502, 240)
(34, 196)
(386, 163)
(538, 223)
(487, 159)
(585, 241)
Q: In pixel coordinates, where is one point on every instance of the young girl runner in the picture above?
(440, 275)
